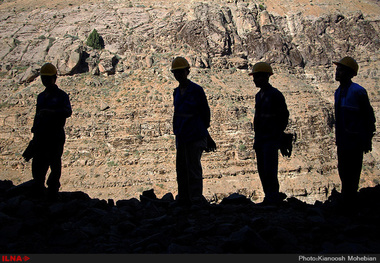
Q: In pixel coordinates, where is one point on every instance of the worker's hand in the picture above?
(367, 147)
(211, 145)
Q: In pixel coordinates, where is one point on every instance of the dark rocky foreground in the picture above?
(77, 224)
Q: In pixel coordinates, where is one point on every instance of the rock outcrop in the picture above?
(213, 35)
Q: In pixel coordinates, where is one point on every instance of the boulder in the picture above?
(30, 74)
(65, 54)
(107, 63)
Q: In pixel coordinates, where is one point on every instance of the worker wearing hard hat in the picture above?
(355, 126)
(190, 122)
(270, 121)
(53, 107)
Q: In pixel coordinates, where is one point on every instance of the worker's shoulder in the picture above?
(357, 87)
(276, 92)
(196, 87)
(61, 92)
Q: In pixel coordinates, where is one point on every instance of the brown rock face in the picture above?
(120, 140)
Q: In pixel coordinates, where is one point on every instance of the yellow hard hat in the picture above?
(350, 63)
(48, 69)
(261, 67)
(180, 63)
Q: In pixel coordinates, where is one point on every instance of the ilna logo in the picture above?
(14, 258)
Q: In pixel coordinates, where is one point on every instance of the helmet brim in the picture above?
(252, 73)
(49, 75)
(179, 68)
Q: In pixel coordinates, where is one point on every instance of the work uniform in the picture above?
(270, 121)
(190, 122)
(354, 127)
(49, 137)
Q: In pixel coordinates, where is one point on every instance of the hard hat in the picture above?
(48, 69)
(350, 63)
(180, 63)
(261, 67)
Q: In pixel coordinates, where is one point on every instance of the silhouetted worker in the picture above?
(270, 121)
(354, 126)
(53, 107)
(190, 122)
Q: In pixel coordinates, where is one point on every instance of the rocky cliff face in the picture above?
(119, 139)
(212, 35)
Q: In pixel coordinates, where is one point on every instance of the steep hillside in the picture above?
(119, 139)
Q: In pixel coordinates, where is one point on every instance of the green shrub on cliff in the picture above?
(94, 40)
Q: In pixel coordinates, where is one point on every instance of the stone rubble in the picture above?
(77, 224)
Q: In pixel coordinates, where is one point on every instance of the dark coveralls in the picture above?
(49, 137)
(190, 122)
(354, 128)
(270, 120)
